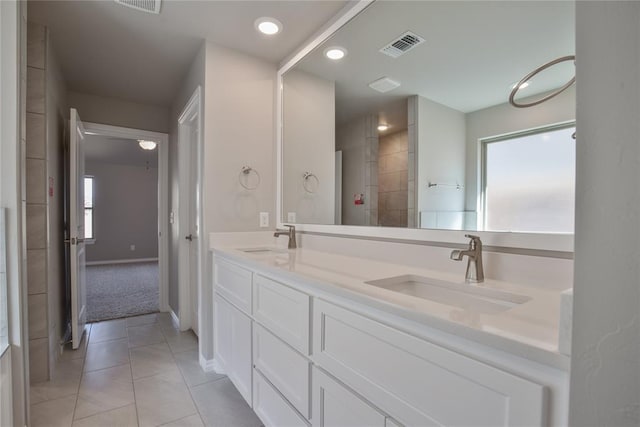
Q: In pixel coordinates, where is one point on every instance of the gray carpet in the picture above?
(122, 290)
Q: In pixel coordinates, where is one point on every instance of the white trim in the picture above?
(163, 194)
(536, 241)
(122, 261)
(174, 319)
(210, 365)
(193, 109)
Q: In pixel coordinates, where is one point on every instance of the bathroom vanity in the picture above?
(313, 338)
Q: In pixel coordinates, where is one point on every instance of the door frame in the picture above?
(193, 108)
(163, 194)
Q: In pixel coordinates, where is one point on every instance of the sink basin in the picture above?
(462, 295)
(262, 250)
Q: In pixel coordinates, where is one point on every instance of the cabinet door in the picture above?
(233, 345)
(234, 283)
(336, 406)
(418, 382)
(271, 406)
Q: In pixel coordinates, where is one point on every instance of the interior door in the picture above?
(76, 229)
(194, 253)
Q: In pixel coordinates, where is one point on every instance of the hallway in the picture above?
(138, 371)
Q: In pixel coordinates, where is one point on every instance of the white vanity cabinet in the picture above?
(303, 357)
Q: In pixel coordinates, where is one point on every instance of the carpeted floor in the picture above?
(121, 290)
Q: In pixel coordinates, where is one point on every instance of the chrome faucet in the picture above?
(475, 272)
(291, 233)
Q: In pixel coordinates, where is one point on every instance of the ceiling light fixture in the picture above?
(147, 145)
(268, 26)
(335, 52)
(382, 127)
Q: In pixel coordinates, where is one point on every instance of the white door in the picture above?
(76, 229)
(189, 213)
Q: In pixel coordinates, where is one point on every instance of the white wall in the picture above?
(351, 139)
(440, 135)
(309, 146)
(503, 119)
(118, 112)
(125, 212)
(605, 364)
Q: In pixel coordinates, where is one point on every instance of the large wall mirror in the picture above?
(400, 118)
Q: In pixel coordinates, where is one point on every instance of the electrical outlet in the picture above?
(264, 219)
(291, 217)
(132, 247)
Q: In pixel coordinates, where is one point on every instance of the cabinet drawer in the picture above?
(234, 283)
(282, 310)
(285, 368)
(271, 407)
(418, 382)
(336, 406)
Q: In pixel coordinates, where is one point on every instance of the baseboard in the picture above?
(175, 319)
(211, 365)
(122, 261)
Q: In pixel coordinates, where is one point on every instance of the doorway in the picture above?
(125, 213)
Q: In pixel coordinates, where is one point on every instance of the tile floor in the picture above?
(139, 371)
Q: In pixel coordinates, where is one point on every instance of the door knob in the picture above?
(189, 237)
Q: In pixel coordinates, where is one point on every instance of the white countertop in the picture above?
(528, 330)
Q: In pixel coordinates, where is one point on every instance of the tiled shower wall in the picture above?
(36, 214)
(393, 154)
(45, 124)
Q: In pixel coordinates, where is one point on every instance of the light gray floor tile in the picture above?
(163, 398)
(181, 341)
(104, 390)
(53, 413)
(166, 321)
(142, 320)
(107, 331)
(221, 405)
(191, 371)
(191, 421)
(121, 417)
(107, 354)
(145, 335)
(64, 382)
(152, 360)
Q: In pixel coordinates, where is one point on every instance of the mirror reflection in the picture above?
(401, 119)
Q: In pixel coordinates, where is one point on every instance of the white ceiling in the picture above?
(119, 151)
(474, 52)
(108, 49)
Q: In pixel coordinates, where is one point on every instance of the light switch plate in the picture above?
(264, 219)
(132, 247)
(291, 217)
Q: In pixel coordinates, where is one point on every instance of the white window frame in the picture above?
(91, 240)
(482, 161)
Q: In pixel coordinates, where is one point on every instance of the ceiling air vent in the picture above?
(402, 44)
(149, 6)
(385, 84)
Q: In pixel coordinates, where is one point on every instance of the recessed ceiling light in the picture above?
(522, 86)
(268, 26)
(147, 145)
(383, 127)
(335, 52)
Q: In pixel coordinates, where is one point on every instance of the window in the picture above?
(88, 208)
(529, 181)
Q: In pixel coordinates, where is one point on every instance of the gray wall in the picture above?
(393, 179)
(309, 146)
(605, 361)
(126, 212)
(118, 112)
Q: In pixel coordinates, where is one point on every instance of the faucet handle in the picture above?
(472, 237)
(291, 227)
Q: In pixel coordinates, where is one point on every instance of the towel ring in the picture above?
(305, 182)
(246, 172)
(528, 77)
